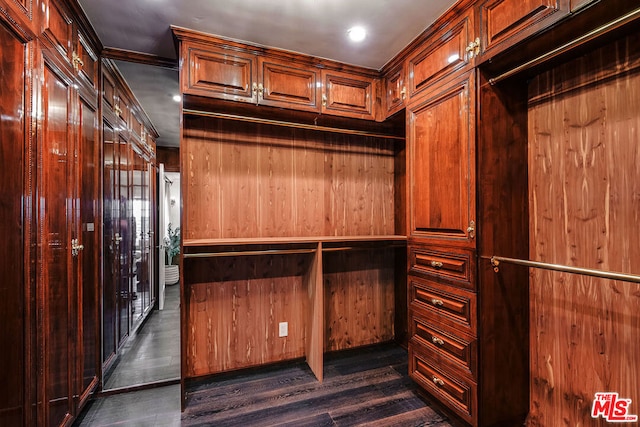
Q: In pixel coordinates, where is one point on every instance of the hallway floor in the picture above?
(153, 353)
(368, 386)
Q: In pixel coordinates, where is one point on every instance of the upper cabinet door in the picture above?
(285, 85)
(57, 27)
(348, 95)
(219, 73)
(446, 52)
(395, 90)
(441, 163)
(85, 62)
(504, 23)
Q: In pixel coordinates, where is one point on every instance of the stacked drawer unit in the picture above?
(443, 326)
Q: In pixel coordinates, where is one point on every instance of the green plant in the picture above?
(172, 245)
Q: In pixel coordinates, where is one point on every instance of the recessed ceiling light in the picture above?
(357, 34)
(177, 98)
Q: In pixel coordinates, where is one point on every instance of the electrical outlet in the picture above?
(283, 329)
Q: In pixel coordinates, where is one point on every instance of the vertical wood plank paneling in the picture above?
(584, 162)
(358, 299)
(235, 306)
(250, 180)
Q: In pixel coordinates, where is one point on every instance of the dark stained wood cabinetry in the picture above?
(442, 164)
(348, 95)
(395, 90)
(506, 22)
(449, 50)
(17, 290)
(231, 71)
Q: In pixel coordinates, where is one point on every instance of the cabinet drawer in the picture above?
(445, 304)
(454, 391)
(458, 350)
(455, 265)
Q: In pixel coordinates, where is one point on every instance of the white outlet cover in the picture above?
(283, 329)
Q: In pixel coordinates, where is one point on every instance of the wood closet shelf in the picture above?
(187, 243)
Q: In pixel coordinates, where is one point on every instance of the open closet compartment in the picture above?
(289, 215)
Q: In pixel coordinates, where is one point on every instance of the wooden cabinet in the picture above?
(461, 319)
(17, 289)
(348, 95)
(287, 85)
(69, 186)
(215, 68)
(444, 54)
(65, 35)
(575, 5)
(504, 23)
(441, 164)
(245, 77)
(395, 90)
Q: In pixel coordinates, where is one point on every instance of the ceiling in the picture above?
(313, 27)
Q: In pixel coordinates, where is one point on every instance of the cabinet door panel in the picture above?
(226, 75)
(90, 219)
(88, 68)
(510, 21)
(348, 95)
(13, 310)
(58, 28)
(395, 90)
(444, 54)
(442, 164)
(111, 245)
(57, 224)
(289, 87)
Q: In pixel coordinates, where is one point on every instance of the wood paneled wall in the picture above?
(235, 306)
(251, 180)
(359, 298)
(584, 178)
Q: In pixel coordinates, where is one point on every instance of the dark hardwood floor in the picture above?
(363, 387)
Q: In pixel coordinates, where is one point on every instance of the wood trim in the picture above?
(139, 57)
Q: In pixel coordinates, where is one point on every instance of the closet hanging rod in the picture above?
(281, 123)
(246, 253)
(496, 260)
(361, 248)
(625, 19)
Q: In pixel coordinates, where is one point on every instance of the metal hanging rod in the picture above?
(288, 124)
(625, 19)
(361, 248)
(246, 253)
(496, 260)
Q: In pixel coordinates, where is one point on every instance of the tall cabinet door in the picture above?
(442, 164)
(88, 302)
(14, 292)
(109, 246)
(57, 224)
(124, 239)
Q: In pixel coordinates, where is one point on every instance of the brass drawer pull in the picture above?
(436, 301)
(436, 264)
(437, 340)
(438, 381)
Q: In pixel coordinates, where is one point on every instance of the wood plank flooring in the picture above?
(362, 387)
